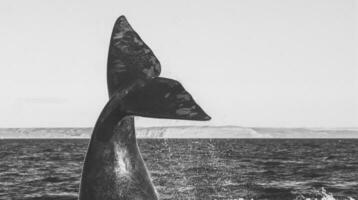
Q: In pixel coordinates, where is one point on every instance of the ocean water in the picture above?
(193, 168)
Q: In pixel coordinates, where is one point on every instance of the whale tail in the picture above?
(134, 86)
(163, 98)
(129, 58)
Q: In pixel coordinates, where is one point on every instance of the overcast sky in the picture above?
(247, 63)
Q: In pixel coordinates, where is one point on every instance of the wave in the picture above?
(321, 194)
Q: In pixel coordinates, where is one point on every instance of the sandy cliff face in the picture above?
(187, 132)
(45, 132)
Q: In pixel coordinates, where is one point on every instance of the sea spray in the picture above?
(322, 194)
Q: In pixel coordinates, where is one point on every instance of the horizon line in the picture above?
(213, 126)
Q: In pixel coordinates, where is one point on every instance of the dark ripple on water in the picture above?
(191, 169)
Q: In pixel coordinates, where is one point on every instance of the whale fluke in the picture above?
(156, 98)
(129, 58)
(163, 98)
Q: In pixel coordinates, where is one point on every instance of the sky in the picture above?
(247, 63)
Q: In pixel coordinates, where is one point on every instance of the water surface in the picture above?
(192, 168)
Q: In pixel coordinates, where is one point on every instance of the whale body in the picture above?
(113, 168)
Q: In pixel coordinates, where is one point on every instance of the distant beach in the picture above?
(186, 132)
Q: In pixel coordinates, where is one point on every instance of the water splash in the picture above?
(322, 195)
